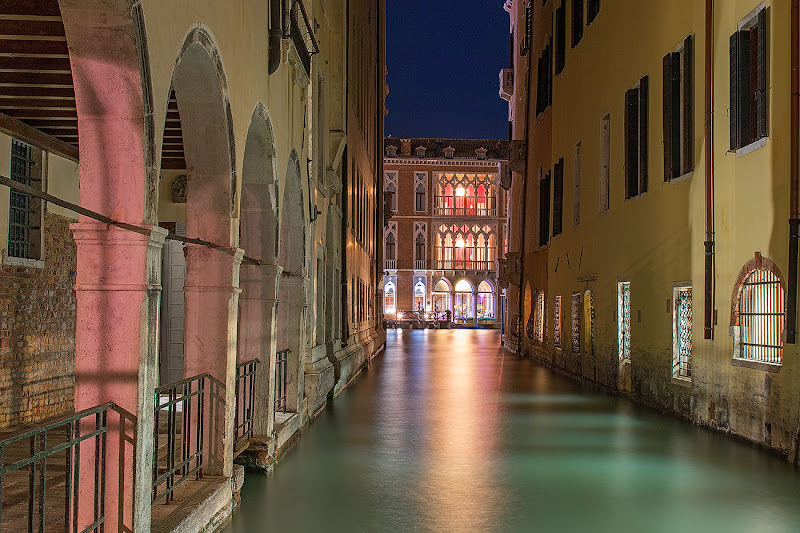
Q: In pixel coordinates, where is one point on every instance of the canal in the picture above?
(447, 432)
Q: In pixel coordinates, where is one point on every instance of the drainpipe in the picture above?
(276, 32)
(709, 186)
(794, 178)
(524, 205)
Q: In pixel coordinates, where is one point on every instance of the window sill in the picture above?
(684, 177)
(752, 147)
(682, 382)
(22, 262)
(756, 365)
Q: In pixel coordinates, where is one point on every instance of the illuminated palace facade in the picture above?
(446, 230)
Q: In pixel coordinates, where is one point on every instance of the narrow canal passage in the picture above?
(446, 432)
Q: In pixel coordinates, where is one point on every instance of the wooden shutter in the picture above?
(762, 67)
(744, 90)
(577, 22)
(734, 73)
(592, 9)
(643, 132)
(549, 58)
(544, 210)
(672, 122)
(561, 38)
(688, 105)
(631, 142)
(558, 197)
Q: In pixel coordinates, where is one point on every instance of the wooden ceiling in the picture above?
(36, 91)
(172, 156)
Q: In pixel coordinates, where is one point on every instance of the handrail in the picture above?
(244, 413)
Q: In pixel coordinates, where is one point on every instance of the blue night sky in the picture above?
(444, 58)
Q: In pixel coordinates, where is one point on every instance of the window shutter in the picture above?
(744, 89)
(549, 58)
(643, 132)
(688, 105)
(734, 72)
(544, 210)
(577, 22)
(592, 10)
(762, 95)
(671, 148)
(561, 38)
(558, 196)
(631, 142)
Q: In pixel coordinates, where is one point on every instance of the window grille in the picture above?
(682, 358)
(762, 317)
(575, 313)
(557, 322)
(539, 314)
(624, 321)
(22, 221)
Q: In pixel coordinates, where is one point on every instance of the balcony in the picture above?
(465, 206)
(507, 84)
(420, 264)
(390, 264)
(473, 266)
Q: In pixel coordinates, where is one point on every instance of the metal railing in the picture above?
(281, 378)
(59, 445)
(464, 265)
(179, 440)
(391, 264)
(244, 419)
(420, 264)
(462, 206)
(301, 34)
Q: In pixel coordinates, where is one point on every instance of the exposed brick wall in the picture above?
(37, 332)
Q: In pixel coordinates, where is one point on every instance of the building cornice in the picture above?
(415, 161)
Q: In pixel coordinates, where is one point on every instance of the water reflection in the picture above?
(447, 433)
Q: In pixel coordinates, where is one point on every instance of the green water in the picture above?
(446, 432)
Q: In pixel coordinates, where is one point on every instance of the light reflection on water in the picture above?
(447, 433)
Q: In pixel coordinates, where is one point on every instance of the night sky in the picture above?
(444, 59)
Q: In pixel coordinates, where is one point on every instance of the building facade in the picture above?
(447, 229)
(191, 216)
(650, 249)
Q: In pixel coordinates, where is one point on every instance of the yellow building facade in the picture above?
(618, 144)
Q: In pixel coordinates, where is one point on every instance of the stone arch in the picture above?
(758, 262)
(292, 308)
(212, 275)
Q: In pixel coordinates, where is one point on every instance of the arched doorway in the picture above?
(442, 298)
(258, 232)
(210, 288)
(464, 307)
(389, 299)
(420, 305)
(291, 316)
(486, 302)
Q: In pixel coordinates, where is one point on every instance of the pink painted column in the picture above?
(212, 301)
(117, 291)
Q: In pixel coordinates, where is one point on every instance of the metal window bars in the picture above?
(301, 34)
(179, 439)
(624, 325)
(762, 317)
(52, 456)
(21, 204)
(281, 380)
(575, 313)
(683, 333)
(244, 419)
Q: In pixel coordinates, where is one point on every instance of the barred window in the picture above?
(557, 322)
(25, 211)
(682, 333)
(762, 317)
(575, 313)
(539, 331)
(624, 320)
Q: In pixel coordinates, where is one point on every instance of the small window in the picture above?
(762, 317)
(624, 320)
(421, 151)
(480, 153)
(392, 192)
(528, 37)
(605, 163)
(561, 38)
(544, 210)
(419, 248)
(682, 333)
(25, 211)
(391, 247)
(557, 322)
(592, 10)
(419, 203)
(636, 146)
(449, 152)
(577, 22)
(576, 186)
(391, 151)
(749, 71)
(558, 196)
(679, 111)
(575, 317)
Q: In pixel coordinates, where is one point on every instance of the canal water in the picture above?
(447, 432)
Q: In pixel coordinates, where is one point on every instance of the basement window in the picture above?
(557, 322)
(539, 320)
(624, 320)
(25, 217)
(749, 72)
(761, 318)
(575, 316)
(679, 111)
(682, 332)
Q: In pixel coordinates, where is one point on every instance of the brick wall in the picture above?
(37, 332)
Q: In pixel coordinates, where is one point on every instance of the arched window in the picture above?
(485, 307)
(761, 317)
(391, 247)
(463, 310)
(419, 297)
(441, 298)
(392, 191)
(420, 198)
(389, 299)
(419, 247)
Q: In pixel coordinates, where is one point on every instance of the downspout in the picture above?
(523, 222)
(276, 31)
(344, 305)
(794, 178)
(709, 177)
